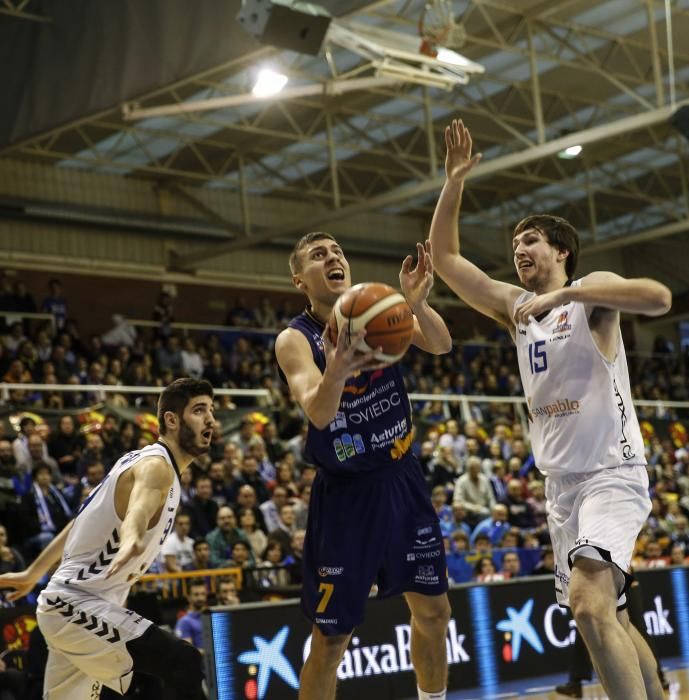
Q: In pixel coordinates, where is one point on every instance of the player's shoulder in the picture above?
(291, 341)
(599, 277)
(153, 469)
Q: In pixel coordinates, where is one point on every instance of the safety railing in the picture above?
(176, 585)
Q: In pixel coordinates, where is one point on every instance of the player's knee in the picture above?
(433, 619)
(327, 650)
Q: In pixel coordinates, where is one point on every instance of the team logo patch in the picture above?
(562, 325)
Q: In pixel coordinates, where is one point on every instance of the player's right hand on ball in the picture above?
(342, 360)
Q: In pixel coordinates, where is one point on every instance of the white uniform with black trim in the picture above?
(585, 437)
(80, 612)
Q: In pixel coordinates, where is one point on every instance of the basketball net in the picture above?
(435, 26)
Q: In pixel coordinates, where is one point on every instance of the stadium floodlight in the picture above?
(570, 152)
(268, 83)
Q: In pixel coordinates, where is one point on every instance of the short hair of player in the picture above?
(559, 232)
(177, 395)
(306, 239)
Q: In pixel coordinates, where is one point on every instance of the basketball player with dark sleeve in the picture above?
(93, 641)
(370, 517)
(583, 428)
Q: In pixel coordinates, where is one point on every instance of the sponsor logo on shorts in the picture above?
(347, 446)
(415, 556)
(427, 575)
(424, 531)
(326, 620)
(556, 409)
(330, 570)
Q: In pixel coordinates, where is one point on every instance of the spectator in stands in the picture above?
(14, 338)
(248, 525)
(55, 303)
(93, 452)
(109, 434)
(485, 570)
(226, 593)
(652, 558)
(275, 574)
(221, 493)
(264, 315)
(122, 333)
(474, 492)
(511, 565)
(547, 563)
(301, 506)
(271, 508)
(163, 313)
(45, 510)
(275, 448)
(20, 446)
(286, 527)
(249, 476)
(215, 372)
(295, 560)
(10, 558)
(494, 527)
(459, 520)
(246, 498)
(66, 445)
(245, 436)
(241, 556)
(178, 550)
(442, 510)
(458, 542)
(678, 555)
(680, 534)
(192, 363)
(169, 355)
(222, 538)
(189, 627)
(444, 467)
(285, 477)
(202, 555)
(519, 512)
(454, 439)
(203, 508)
(38, 454)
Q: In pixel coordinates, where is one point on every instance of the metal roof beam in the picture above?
(408, 191)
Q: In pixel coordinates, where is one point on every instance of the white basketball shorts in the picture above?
(596, 515)
(86, 639)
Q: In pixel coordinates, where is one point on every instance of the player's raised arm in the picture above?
(319, 394)
(430, 331)
(152, 481)
(472, 285)
(23, 581)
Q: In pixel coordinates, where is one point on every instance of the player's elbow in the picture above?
(661, 300)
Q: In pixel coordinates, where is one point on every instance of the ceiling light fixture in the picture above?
(268, 83)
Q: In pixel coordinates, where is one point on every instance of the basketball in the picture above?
(382, 311)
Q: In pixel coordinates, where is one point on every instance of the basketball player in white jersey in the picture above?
(584, 432)
(93, 641)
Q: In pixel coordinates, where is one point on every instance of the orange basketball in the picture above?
(382, 311)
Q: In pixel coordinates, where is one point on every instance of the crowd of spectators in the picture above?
(246, 504)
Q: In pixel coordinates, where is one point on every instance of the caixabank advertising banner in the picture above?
(498, 632)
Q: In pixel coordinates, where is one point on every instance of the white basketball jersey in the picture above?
(95, 536)
(581, 417)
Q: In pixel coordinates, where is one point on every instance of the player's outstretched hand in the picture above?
(22, 582)
(416, 283)
(128, 550)
(342, 360)
(458, 160)
(538, 304)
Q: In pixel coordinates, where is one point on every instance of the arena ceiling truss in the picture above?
(602, 75)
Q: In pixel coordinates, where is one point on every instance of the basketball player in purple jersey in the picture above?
(370, 517)
(584, 431)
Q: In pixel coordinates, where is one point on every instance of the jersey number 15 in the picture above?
(538, 360)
